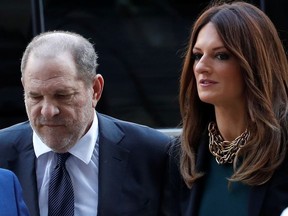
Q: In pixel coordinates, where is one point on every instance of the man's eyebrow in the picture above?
(32, 93)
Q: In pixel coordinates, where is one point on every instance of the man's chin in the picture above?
(58, 146)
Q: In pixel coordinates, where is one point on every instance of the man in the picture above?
(115, 167)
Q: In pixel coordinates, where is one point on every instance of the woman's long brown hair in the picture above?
(252, 38)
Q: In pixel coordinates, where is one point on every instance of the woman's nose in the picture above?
(202, 65)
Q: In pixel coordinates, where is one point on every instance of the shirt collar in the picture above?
(83, 149)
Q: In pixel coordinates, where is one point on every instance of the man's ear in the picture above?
(98, 85)
(22, 81)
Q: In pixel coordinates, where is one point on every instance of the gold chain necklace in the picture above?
(225, 151)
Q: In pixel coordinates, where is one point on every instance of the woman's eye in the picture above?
(222, 56)
(196, 56)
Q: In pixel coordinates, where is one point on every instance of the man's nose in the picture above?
(49, 109)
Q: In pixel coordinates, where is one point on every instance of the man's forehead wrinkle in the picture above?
(52, 81)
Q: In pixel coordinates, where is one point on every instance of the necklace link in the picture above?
(225, 151)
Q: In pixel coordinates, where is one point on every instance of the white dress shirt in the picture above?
(285, 212)
(82, 167)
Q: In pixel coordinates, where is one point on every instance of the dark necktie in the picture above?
(60, 196)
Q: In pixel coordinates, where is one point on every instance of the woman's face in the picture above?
(217, 71)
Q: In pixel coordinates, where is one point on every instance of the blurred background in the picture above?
(140, 45)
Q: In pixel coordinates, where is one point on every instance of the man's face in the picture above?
(59, 105)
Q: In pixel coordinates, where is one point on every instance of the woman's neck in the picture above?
(230, 122)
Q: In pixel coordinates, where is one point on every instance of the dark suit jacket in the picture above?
(269, 199)
(132, 166)
(11, 200)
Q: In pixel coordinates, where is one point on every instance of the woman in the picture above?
(11, 200)
(233, 102)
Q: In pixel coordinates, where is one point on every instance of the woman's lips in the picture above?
(207, 82)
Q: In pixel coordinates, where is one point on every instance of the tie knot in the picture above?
(62, 157)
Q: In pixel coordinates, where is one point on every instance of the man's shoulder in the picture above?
(133, 134)
(133, 128)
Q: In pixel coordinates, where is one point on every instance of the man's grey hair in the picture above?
(53, 43)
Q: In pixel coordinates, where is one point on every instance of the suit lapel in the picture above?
(112, 164)
(25, 171)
